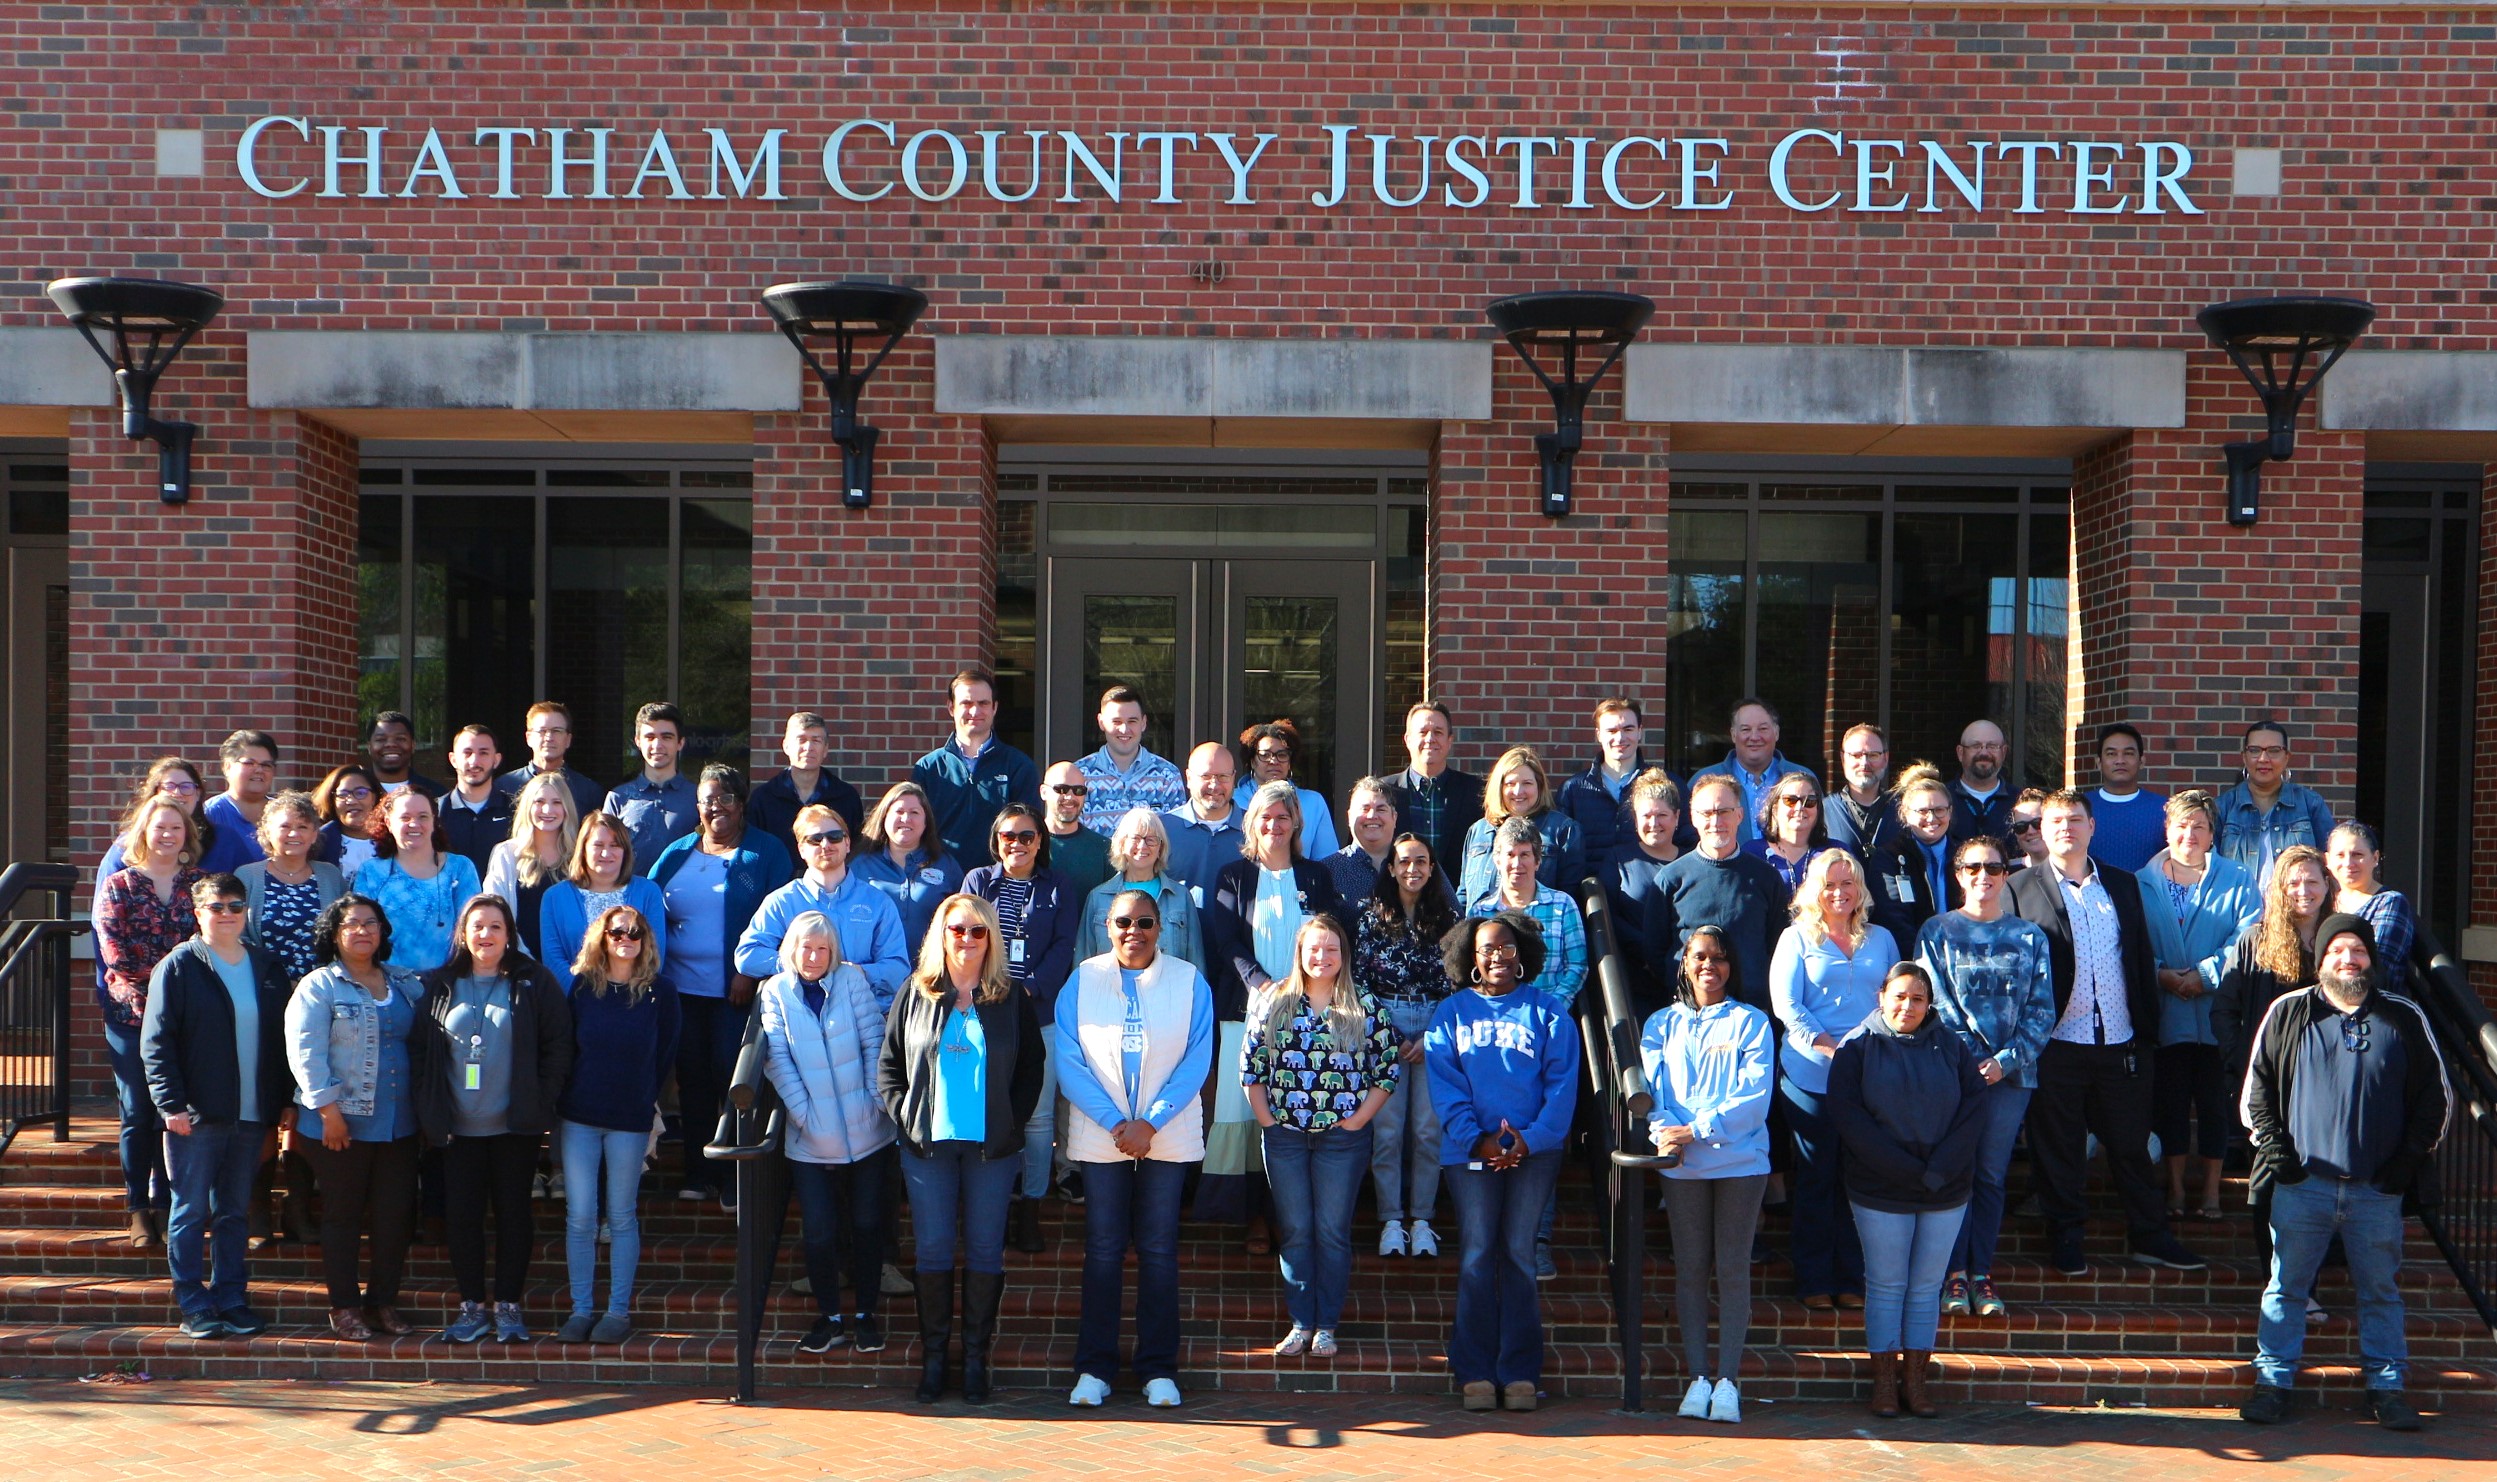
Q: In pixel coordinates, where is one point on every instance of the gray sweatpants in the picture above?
(1713, 1220)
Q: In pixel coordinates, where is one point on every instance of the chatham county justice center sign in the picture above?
(867, 161)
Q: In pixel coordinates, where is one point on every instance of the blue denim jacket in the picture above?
(334, 1037)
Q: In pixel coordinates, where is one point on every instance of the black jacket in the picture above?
(1903, 1157)
(541, 1050)
(2037, 895)
(906, 1067)
(186, 1040)
(473, 833)
(775, 804)
(1231, 938)
(1989, 818)
(1865, 830)
(1902, 893)
(2247, 989)
(2271, 1083)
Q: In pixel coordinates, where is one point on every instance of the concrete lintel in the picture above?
(1167, 376)
(2412, 391)
(56, 368)
(1912, 386)
(452, 371)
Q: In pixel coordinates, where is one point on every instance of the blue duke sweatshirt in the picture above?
(1513, 1058)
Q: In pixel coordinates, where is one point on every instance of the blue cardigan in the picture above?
(759, 867)
(2219, 910)
(564, 917)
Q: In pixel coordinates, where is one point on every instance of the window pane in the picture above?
(378, 632)
(1951, 655)
(1704, 636)
(607, 623)
(1820, 628)
(1408, 555)
(1301, 526)
(476, 575)
(1018, 620)
(1288, 663)
(715, 639)
(2050, 634)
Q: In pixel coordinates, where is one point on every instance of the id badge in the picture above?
(1014, 951)
(472, 1073)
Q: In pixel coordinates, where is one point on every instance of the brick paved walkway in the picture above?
(198, 1431)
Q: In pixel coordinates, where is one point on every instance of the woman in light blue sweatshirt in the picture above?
(1504, 1072)
(1707, 1059)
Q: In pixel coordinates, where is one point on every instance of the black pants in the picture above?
(368, 1190)
(475, 1171)
(706, 1056)
(2084, 1089)
(2193, 1106)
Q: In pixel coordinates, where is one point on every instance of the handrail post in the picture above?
(749, 1134)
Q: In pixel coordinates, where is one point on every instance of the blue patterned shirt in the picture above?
(1153, 782)
(1311, 1082)
(1564, 943)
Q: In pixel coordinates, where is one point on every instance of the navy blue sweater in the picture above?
(622, 1051)
(1742, 895)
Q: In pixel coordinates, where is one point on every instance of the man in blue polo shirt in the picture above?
(657, 808)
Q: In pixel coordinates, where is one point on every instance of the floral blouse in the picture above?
(1311, 1082)
(1392, 964)
(133, 932)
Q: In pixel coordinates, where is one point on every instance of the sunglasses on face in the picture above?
(2024, 825)
(624, 933)
(1069, 789)
(828, 836)
(1990, 867)
(1799, 800)
(1135, 923)
(972, 931)
(1016, 836)
(225, 908)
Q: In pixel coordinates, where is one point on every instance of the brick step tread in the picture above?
(1572, 1371)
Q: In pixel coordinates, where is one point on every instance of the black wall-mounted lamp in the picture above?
(2284, 346)
(149, 322)
(852, 315)
(1571, 328)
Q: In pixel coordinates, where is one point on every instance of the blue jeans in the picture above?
(830, 1196)
(142, 1126)
(1404, 1150)
(958, 1201)
(1131, 1203)
(2305, 1217)
(585, 1150)
(1829, 1256)
(1315, 1177)
(1499, 1329)
(1041, 1132)
(211, 1171)
(2006, 1107)
(1905, 1258)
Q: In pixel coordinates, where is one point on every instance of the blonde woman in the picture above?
(959, 1074)
(624, 1027)
(526, 865)
(1317, 1067)
(1520, 788)
(1140, 858)
(1825, 979)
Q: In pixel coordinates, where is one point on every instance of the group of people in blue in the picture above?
(1153, 987)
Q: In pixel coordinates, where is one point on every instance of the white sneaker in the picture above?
(1161, 1394)
(1392, 1238)
(1089, 1392)
(1425, 1243)
(1695, 1403)
(1727, 1404)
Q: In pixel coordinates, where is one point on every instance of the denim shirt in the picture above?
(349, 1049)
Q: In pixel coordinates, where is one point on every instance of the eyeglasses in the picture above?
(2024, 825)
(828, 836)
(1016, 836)
(970, 931)
(1989, 867)
(1269, 754)
(1866, 756)
(179, 787)
(1135, 923)
(624, 933)
(354, 794)
(225, 908)
(1069, 789)
(550, 730)
(1504, 952)
(2267, 753)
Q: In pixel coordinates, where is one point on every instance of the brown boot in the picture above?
(143, 1232)
(1912, 1369)
(1886, 1385)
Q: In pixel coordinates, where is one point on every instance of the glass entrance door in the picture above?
(1217, 645)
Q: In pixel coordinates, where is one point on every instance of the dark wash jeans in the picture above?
(1131, 1203)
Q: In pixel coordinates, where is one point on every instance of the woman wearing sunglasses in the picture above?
(1993, 983)
(959, 1074)
(1039, 910)
(625, 1020)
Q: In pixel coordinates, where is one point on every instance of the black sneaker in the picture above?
(824, 1337)
(242, 1322)
(2069, 1258)
(1071, 1186)
(869, 1334)
(2268, 1405)
(205, 1326)
(2391, 1410)
(2164, 1251)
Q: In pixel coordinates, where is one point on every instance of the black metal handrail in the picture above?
(2462, 1220)
(34, 996)
(749, 1136)
(1630, 1151)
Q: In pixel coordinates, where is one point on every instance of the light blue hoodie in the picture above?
(1710, 1070)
